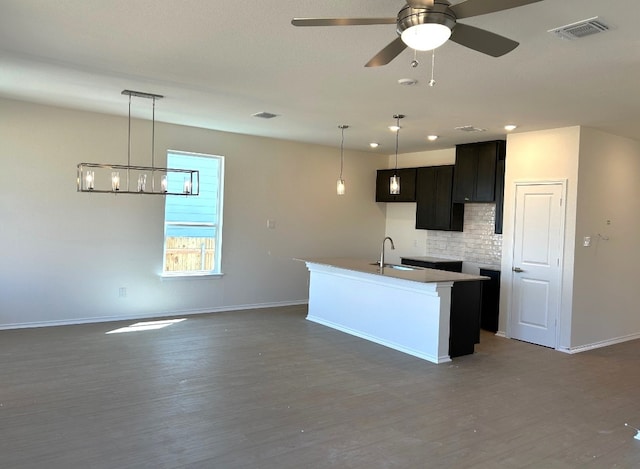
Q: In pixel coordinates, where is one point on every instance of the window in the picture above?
(193, 225)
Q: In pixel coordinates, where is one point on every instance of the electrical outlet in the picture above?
(122, 292)
(586, 241)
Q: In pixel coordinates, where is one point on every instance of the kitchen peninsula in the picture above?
(402, 307)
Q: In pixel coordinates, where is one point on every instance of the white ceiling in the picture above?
(217, 62)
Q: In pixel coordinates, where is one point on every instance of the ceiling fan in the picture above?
(427, 24)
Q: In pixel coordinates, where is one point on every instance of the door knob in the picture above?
(517, 269)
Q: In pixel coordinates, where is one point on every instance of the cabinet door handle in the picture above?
(517, 269)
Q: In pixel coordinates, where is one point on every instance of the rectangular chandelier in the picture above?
(127, 179)
(134, 179)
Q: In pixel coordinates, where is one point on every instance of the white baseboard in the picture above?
(163, 314)
(378, 340)
(595, 345)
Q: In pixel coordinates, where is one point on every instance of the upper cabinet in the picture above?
(475, 171)
(434, 208)
(500, 170)
(407, 185)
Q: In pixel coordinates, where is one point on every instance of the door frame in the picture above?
(560, 320)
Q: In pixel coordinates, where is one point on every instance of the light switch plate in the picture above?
(586, 242)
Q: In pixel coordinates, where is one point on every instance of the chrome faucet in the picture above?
(382, 251)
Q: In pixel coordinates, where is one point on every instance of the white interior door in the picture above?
(537, 263)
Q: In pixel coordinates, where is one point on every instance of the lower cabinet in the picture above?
(466, 303)
(464, 324)
(490, 300)
(449, 265)
(435, 209)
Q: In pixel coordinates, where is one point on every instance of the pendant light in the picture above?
(340, 185)
(394, 182)
(118, 178)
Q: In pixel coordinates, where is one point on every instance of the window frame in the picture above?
(217, 224)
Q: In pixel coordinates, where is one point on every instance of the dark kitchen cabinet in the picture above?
(407, 185)
(500, 166)
(490, 300)
(466, 301)
(449, 265)
(475, 171)
(435, 209)
(464, 323)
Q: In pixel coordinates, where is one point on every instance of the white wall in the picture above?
(605, 290)
(66, 254)
(599, 295)
(539, 156)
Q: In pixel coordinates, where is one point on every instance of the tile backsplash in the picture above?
(477, 243)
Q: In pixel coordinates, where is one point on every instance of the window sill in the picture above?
(184, 275)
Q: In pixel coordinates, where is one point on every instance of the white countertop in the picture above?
(415, 274)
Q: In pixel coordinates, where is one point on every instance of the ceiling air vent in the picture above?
(580, 29)
(264, 115)
(470, 128)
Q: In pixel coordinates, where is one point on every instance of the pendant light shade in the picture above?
(340, 187)
(394, 185)
(394, 182)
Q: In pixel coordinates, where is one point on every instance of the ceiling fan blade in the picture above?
(420, 3)
(482, 7)
(386, 55)
(341, 21)
(481, 40)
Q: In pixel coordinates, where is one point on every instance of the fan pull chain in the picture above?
(414, 62)
(432, 82)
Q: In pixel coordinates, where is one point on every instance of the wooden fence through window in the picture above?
(189, 254)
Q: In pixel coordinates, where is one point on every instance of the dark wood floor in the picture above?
(267, 389)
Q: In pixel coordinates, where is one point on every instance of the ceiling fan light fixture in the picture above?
(427, 36)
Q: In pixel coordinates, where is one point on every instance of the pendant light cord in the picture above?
(342, 127)
(153, 133)
(129, 136)
(395, 171)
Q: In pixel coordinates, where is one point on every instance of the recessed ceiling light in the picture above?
(374, 145)
(432, 138)
(394, 128)
(510, 127)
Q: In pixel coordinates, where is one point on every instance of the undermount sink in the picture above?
(397, 266)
